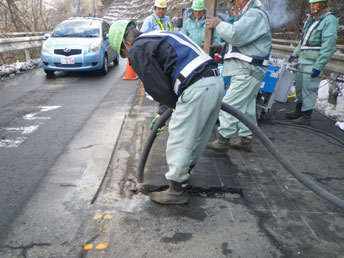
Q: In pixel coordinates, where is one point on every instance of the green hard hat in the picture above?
(116, 33)
(316, 1)
(198, 5)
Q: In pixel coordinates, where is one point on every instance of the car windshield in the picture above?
(79, 29)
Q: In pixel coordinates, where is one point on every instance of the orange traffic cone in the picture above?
(130, 73)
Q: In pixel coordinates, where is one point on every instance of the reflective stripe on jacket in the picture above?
(151, 23)
(234, 52)
(161, 25)
(190, 56)
(318, 40)
(251, 35)
(305, 45)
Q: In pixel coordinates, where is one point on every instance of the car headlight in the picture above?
(95, 46)
(46, 46)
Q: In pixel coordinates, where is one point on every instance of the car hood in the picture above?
(72, 43)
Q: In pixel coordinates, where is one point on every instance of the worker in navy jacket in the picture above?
(178, 73)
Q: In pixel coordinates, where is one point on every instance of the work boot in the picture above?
(243, 144)
(296, 113)
(175, 194)
(221, 144)
(304, 119)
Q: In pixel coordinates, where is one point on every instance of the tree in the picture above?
(39, 15)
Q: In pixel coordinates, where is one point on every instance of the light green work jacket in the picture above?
(251, 35)
(318, 40)
(194, 29)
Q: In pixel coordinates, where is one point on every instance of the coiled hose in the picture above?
(264, 140)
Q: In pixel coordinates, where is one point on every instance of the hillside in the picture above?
(138, 10)
(281, 18)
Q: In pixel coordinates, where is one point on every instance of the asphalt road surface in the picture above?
(38, 117)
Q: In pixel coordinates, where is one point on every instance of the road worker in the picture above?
(178, 73)
(246, 60)
(315, 49)
(194, 26)
(158, 20)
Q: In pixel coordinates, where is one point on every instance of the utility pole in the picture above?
(94, 8)
(208, 33)
(78, 9)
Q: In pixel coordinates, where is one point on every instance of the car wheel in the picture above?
(105, 67)
(116, 60)
(49, 72)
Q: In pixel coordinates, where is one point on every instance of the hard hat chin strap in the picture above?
(322, 6)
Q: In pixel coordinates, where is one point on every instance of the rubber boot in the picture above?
(304, 119)
(243, 144)
(296, 113)
(221, 144)
(175, 194)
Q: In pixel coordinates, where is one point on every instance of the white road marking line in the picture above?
(34, 117)
(24, 130)
(12, 143)
(48, 108)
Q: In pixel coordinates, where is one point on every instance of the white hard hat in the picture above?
(160, 3)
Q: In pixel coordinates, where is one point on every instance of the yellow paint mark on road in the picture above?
(108, 216)
(97, 217)
(88, 247)
(140, 94)
(102, 246)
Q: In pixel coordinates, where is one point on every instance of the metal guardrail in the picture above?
(286, 47)
(293, 43)
(280, 48)
(21, 34)
(21, 43)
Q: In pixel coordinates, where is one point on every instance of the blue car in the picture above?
(78, 44)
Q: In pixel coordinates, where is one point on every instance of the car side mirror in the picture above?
(47, 35)
(179, 23)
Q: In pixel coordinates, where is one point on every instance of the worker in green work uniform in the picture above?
(158, 20)
(246, 60)
(194, 26)
(315, 49)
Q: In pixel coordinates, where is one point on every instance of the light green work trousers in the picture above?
(306, 88)
(242, 94)
(191, 125)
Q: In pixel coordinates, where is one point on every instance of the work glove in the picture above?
(315, 73)
(211, 22)
(161, 129)
(291, 59)
(216, 48)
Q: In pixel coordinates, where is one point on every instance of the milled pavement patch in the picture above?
(273, 216)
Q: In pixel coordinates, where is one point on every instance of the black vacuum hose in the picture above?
(264, 140)
(149, 142)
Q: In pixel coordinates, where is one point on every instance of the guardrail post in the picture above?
(27, 55)
(332, 91)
